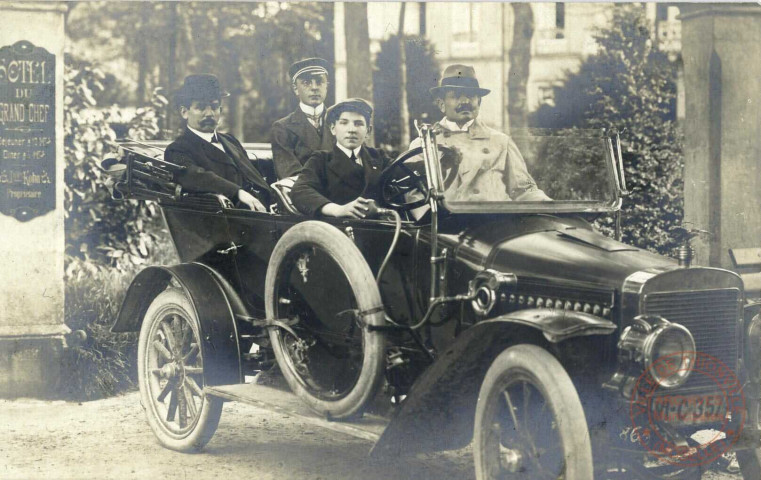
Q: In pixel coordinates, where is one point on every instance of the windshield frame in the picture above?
(612, 160)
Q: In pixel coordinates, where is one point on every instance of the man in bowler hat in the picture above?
(489, 165)
(343, 181)
(296, 136)
(215, 162)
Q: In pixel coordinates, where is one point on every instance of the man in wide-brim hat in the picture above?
(488, 164)
(215, 162)
(303, 131)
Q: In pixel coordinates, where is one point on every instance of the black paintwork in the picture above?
(556, 256)
(219, 336)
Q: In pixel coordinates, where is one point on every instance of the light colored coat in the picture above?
(491, 168)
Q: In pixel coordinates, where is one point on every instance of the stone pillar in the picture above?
(31, 208)
(721, 48)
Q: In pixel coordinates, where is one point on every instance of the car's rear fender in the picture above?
(439, 410)
(215, 304)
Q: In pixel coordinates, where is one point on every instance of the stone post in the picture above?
(31, 197)
(721, 48)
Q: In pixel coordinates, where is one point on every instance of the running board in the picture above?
(369, 427)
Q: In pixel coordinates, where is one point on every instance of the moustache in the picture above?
(464, 108)
(207, 121)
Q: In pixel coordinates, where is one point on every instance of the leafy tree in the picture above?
(98, 229)
(630, 86)
(421, 66)
(249, 46)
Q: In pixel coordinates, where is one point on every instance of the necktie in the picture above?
(215, 141)
(355, 159)
(314, 120)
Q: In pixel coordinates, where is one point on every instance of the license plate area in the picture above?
(694, 409)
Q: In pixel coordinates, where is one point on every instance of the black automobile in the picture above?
(512, 325)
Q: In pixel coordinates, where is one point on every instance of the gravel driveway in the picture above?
(110, 439)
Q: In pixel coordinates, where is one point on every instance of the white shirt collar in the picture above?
(452, 126)
(204, 135)
(349, 152)
(312, 110)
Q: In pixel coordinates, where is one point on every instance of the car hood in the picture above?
(551, 248)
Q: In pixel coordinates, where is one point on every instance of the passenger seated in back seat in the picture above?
(343, 182)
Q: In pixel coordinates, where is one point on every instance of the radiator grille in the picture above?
(710, 315)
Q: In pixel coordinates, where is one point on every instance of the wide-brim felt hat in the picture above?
(204, 86)
(359, 105)
(459, 78)
(313, 66)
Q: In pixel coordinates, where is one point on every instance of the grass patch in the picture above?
(105, 364)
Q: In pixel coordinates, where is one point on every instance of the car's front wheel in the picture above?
(170, 374)
(529, 420)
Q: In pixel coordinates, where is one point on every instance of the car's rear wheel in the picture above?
(170, 374)
(529, 420)
(323, 294)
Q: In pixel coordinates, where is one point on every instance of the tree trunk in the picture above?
(142, 57)
(520, 59)
(171, 79)
(404, 112)
(359, 69)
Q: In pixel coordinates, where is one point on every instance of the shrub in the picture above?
(631, 86)
(106, 241)
(98, 229)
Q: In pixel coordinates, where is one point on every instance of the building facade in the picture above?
(481, 34)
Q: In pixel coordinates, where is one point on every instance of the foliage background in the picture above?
(154, 45)
(422, 73)
(630, 86)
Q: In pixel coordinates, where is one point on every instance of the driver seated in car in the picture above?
(488, 164)
(343, 182)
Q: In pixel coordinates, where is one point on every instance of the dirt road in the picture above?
(110, 439)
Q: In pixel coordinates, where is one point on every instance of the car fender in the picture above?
(215, 305)
(439, 409)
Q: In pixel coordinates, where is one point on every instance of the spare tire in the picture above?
(319, 283)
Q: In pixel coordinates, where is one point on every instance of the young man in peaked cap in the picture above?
(489, 164)
(216, 162)
(296, 136)
(343, 182)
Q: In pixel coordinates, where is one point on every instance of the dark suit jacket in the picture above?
(332, 177)
(209, 169)
(294, 139)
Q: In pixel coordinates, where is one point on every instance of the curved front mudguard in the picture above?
(211, 298)
(439, 410)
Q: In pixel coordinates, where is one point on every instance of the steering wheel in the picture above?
(405, 186)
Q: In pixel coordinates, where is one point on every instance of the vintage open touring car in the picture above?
(511, 325)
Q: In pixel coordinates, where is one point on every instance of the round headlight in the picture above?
(669, 352)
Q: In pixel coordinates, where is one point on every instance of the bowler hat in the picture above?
(358, 105)
(315, 66)
(459, 78)
(203, 86)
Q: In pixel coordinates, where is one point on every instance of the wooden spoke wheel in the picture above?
(529, 421)
(170, 374)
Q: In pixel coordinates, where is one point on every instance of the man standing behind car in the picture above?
(215, 162)
(489, 165)
(296, 136)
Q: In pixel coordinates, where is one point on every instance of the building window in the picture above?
(466, 18)
(560, 20)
